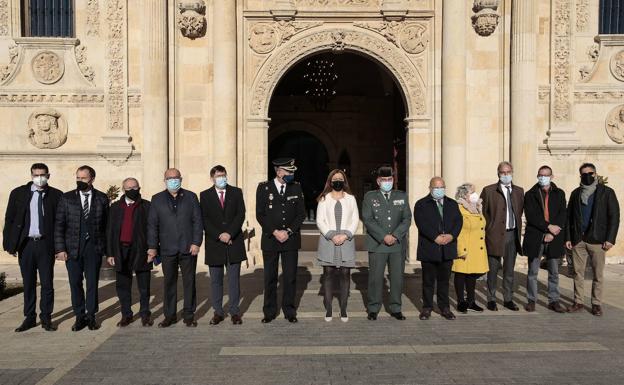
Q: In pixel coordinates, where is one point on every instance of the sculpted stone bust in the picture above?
(615, 125)
(47, 129)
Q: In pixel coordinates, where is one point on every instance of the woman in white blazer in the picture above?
(337, 219)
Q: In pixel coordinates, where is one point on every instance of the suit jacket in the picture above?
(605, 219)
(276, 212)
(537, 227)
(67, 227)
(137, 254)
(430, 225)
(218, 220)
(495, 213)
(174, 231)
(381, 218)
(17, 217)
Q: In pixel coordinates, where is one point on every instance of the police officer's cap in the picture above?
(385, 171)
(287, 164)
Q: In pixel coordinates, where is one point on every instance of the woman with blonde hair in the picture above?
(337, 219)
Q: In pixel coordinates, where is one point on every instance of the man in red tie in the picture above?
(223, 210)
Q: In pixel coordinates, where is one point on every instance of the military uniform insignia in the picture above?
(376, 203)
(271, 196)
(292, 197)
(398, 202)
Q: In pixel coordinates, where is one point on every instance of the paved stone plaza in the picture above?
(495, 348)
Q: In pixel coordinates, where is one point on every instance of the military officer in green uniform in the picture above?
(280, 210)
(387, 217)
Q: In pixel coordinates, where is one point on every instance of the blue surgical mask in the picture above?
(174, 184)
(289, 178)
(386, 186)
(221, 182)
(438, 192)
(505, 179)
(543, 180)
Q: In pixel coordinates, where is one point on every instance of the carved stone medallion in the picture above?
(48, 67)
(414, 38)
(262, 38)
(615, 124)
(47, 129)
(617, 65)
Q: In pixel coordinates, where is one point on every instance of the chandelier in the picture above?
(320, 78)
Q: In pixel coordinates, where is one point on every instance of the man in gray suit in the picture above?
(387, 216)
(174, 227)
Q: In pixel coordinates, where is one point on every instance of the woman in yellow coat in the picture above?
(472, 260)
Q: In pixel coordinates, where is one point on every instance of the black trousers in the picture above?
(87, 267)
(344, 278)
(467, 282)
(123, 284)
(289, 282)
(34, 257)
(436, 278)
(187, 263)
(216, 284)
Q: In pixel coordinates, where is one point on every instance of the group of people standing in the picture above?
(469, 236)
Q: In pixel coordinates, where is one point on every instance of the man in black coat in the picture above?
(593, 222)
(439, 223)
(127, 250)
(280, 210)
(29, 234)
(80, 240)
(223, 210)
(545, 213)
(175, 229)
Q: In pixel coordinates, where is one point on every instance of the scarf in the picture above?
(587, 191)
(472, 208)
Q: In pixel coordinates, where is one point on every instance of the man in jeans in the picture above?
(593, 221)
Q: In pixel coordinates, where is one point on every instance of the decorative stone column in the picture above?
(523, 91)
(155, 154)
(224, 133)
(454, 93)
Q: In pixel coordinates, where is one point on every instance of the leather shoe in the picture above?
(425, 314)
(372, 316)
(267, 319)
(576, 307)
(147, 321)
(557, 307)
(80, 324)
(190, 322)
(292, 319)
(448, 314)
(398, 315)
(462, 307)
(474, 307)
(125, 321)
(596, 310)
(236, 319)
(167, 322)
(491, 306)
(27, 324)
(511, 306)
(216, 319)
(92, 324)
(48, 326)
(530, 307)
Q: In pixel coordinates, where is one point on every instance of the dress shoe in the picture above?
(216, 319)
(267, 319)
(92, 324)
(425, 314)
(48, 326)
(557, 307)
(167, 322)
(511, 306)
(596, 310)
(190, 322)
(80, 324)
(125, 321)
(530, 307)
(462, 307)
(147, 320)
(491, 306)
(236, 319)
(398, 315)
(372, 316)
(474, 307)
(292, 319)
(27, 324)
(576, 307)
(344, 318)
(448, 314)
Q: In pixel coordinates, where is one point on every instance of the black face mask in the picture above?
(82, 186)
(133, 195)
(337, 185)
(587, 179)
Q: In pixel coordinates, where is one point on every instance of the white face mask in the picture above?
(40, 181)
(473, 198)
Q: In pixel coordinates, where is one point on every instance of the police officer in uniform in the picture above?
(387, 216)
(280, 210)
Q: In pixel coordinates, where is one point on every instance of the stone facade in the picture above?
(147, 84)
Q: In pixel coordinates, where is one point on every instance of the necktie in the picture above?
(85, 206)
(440, 208)
(546, 213)
(387, 196)
(40, 210)
(510, 214)
(282, 190)
(221, 199)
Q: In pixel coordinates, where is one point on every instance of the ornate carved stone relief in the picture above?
(4, 18)
(598, 96)
(116, 97)
(485, 18)
(617, 65)
(265, 37)
(412, 37)
(47, 67)
(47, 129)
(561, 61)
(615, 124)
(7, 70)
(81, 58)
(586, 71)
(192, 19)
(93, 18)
(16, 99)
(582, 15)
(330, 3)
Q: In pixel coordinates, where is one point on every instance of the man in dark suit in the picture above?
(127, 250)
(280, 210)
(174, 227)
(29, 234)
(223, 210)
(80, 240)
(439, 223)
(502, 208)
